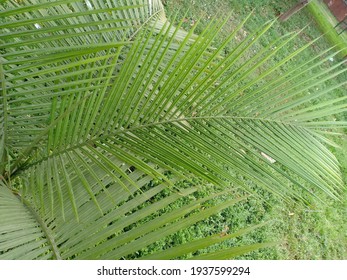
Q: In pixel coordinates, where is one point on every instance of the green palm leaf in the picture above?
(22, 236)
(115, 234)
(100, 100)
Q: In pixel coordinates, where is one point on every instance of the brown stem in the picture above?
(293, 10)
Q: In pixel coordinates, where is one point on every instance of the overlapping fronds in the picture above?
(21, 235)
(128, 223)
(100, 98)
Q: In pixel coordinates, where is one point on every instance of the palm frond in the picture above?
(123, 228)
(159, 117)
(21, 234)
(99, 99)
(34, 40)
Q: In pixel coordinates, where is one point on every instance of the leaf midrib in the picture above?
(122, 130)
(3, 154)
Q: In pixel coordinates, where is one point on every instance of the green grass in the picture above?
(317, 231)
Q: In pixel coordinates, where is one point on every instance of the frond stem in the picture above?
(3, 123)
(123, 130)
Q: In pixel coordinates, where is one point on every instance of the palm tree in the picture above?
(106, 106)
